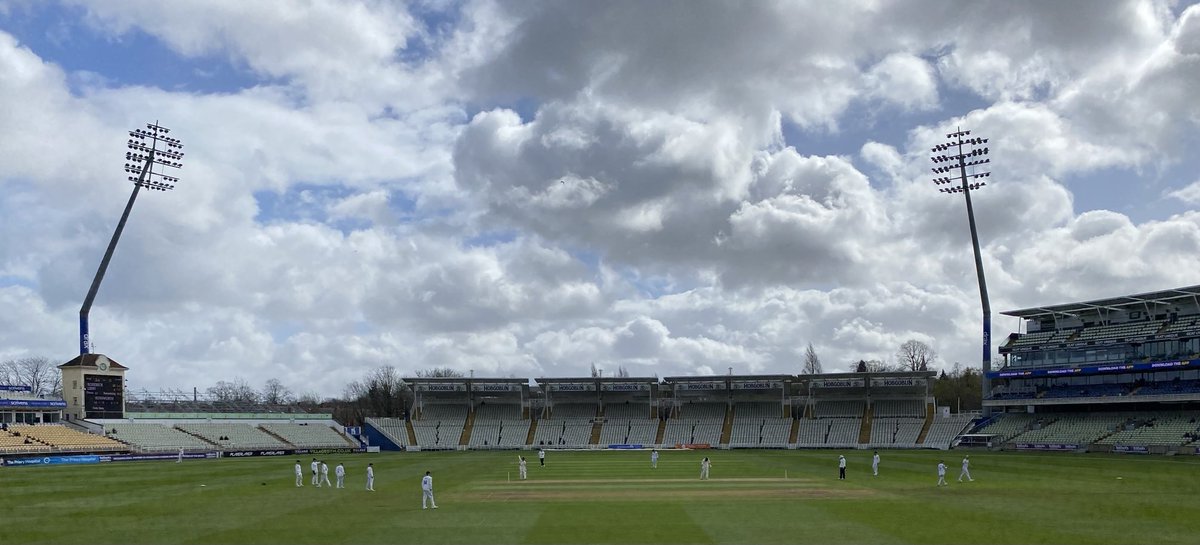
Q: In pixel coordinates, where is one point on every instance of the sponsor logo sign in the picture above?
(1047, 446)
(15, 388)
(440, 387)
(1131, 449)
(33, 403)
(896, 382)
(571, 387)
(53, 460)
(757, 385)
(494, 387)
(833, 383)
(625, 387)
(702, 386)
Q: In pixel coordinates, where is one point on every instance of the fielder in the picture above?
(299, 474)
(521, 466)
(654, 459)
(316, 480)
(841, 468)
(542, 456)
(875, 464)
(942, 473)
(427, 491)
(324, 475)
(341, 475)
(966, 472)
(180, 459)
(705, 465)
(370, 478)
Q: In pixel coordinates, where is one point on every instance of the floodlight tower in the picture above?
(968, 152)
(147, 147)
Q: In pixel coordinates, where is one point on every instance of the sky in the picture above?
(530, 188)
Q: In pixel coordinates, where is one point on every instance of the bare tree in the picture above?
(595, 372)
(439, 372)
(381, 393)
(812, 363)
(238, 391)
(872, 366)
(915, 355)
(622, 372)
(275, 393)
(38, 373)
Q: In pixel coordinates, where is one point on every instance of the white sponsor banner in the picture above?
(839, 383)
(702, 386)
(494, 387)
(440, 387)
(758, 385)
(897, 382)
(625, 387)
(571, 387)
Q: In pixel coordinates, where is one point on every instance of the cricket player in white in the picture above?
(875, 464)
(705, 465)
(654, 459)
(427, 491)
(180, 459)
(942, 473)
(370, 478)
(521, 467)
(340, 471)
(324, 475)
(299, 474)
(965, 471)
(841, 468)
(542, 456)
(316, 480)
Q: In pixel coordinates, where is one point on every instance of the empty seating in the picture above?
(64, 438)
(234, 436)
(627, 410)
(911, 408)
(944, 429)
(560, 411)
(393, 428)
(309, 435)
(1078, 429)
(572, 433)
(839, 408)
(759, 424)
(16, 444)
(155, 437)
(440, 426)
(902, 432)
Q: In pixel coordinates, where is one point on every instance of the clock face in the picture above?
(102, 363)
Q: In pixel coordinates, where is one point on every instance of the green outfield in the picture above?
(613, 497)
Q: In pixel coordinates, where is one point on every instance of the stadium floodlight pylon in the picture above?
(951, 160)
(148, 148)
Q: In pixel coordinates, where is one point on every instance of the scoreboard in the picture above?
(103, 396)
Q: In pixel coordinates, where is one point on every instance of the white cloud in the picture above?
(550, 186)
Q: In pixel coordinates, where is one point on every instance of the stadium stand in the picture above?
(944, 429)
(1073, 428)
(697, 423)
(759, 425)
(62, 438)
(155, 437)
(233, 436)
(839, 408)
(309, 435)
(20, 444)
(1007, 426)
(440, 426)
(1156, 429)
(394, 428)
(896, 432)
(899, 408)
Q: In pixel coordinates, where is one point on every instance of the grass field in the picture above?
(613, 497)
